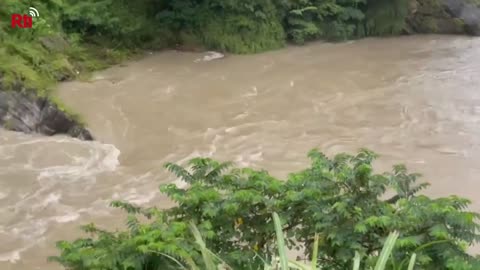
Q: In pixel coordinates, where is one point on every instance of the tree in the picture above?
(341, 199)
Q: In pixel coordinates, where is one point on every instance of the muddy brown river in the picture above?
(413, 100)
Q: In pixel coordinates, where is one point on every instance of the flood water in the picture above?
(413, 100)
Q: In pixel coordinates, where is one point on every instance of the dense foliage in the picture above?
(340, 199)
(67, 39)
(73, 37)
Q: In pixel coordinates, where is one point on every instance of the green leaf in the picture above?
(386, 251)
(280, 242)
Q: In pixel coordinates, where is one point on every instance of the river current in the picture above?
(413, 100)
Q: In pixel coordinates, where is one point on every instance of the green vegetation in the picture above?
(335, 212)
(58, 47)
(212, 262)
(71, 38)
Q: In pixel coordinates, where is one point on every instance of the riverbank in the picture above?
(28, 102)
(73, 41)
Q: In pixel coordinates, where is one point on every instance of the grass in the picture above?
(280, 261)
(67, 110)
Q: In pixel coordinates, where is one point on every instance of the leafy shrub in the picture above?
(282, 262)
(339, 199)
(386, 17)
(122, 22)
(247, 27)
(330, 19)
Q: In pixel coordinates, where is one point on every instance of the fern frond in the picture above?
(179, 171)
(128, 207)
(218, 170)
(133, 224)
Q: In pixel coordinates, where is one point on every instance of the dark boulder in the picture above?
(29, 113)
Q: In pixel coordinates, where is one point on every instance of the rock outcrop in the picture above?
(23, 110)
(444, 17)
(26, 112)
(468, 12)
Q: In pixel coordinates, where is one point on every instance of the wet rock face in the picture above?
(26, 112)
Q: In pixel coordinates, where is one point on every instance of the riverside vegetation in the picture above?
(334, 212)
(73, 37)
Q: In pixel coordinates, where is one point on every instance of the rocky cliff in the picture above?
(26, 112)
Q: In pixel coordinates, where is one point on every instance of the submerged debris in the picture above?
(210, 55)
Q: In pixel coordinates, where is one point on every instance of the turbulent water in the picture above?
(414, 100)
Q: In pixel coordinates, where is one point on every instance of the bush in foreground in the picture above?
(282, 262)
(340, 199)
